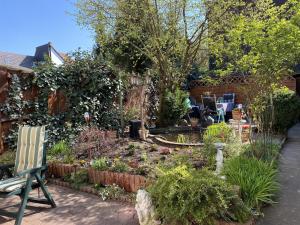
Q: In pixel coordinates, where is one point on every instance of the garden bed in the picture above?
(130, 182)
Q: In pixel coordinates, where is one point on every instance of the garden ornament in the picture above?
(145, 209)
(219, 157)
(87, 117)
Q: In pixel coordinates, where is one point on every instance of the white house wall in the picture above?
(55, 58)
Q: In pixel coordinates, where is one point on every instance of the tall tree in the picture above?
(173, 35)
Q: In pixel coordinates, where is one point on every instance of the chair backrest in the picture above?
(230, 97)
(210, 102)
(30, 149)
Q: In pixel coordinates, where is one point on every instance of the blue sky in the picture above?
(26, 24)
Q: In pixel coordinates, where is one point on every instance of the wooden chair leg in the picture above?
(45, 191)
(24, 197)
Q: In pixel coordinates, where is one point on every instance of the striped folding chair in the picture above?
(29, 171)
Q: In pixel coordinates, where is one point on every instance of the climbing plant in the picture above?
(16, 107)
(86, 84)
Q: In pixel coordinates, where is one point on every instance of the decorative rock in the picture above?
(199, 164)
(164, 151)
(133, 164)
(145, 209)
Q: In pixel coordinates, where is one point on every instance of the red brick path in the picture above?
(73, 208)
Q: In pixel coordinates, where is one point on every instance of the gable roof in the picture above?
(14, 60)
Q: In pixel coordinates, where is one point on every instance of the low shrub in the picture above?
(130, 150)
(286, 108)
(210, 152)
(263, 149)
(220, 132)
(279, 112)
(60, 148)
(119, 166)
(61, 151)
(174, 107)
(257, 180)
(186, 196)
(77, 178)
(233, 148)
(100, 164)
(7, 157)
(112, 192)
(132, 113)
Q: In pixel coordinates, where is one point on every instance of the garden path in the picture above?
(287, 211)
(73, 208)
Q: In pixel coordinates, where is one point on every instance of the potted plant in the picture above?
(236, 114)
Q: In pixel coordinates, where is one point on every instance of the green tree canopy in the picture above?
(263, 42)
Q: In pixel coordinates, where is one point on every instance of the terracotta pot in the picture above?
(236, 115)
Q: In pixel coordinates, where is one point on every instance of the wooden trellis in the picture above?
(230, 80)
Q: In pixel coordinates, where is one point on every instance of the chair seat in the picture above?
(12, 184)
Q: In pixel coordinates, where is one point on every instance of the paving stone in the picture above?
(287, 211)
(73, 208)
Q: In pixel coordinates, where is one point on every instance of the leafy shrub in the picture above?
(278, 113)
(131, 113)
(60, 148)
(7, 157)
(233, 148)
(174, 107)
(210, 151)
(130, 150)
(256, 179)
(77, 178)
(100, 164)
(220, 132)
(185, 196)
(119, 166)
(263, 149)
(286, 108)
(61, 151)
(88, 85)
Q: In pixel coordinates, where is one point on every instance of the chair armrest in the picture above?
(32, 171)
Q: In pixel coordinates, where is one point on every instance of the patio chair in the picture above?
(210, 102)
(229, 99)
(29, 171)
